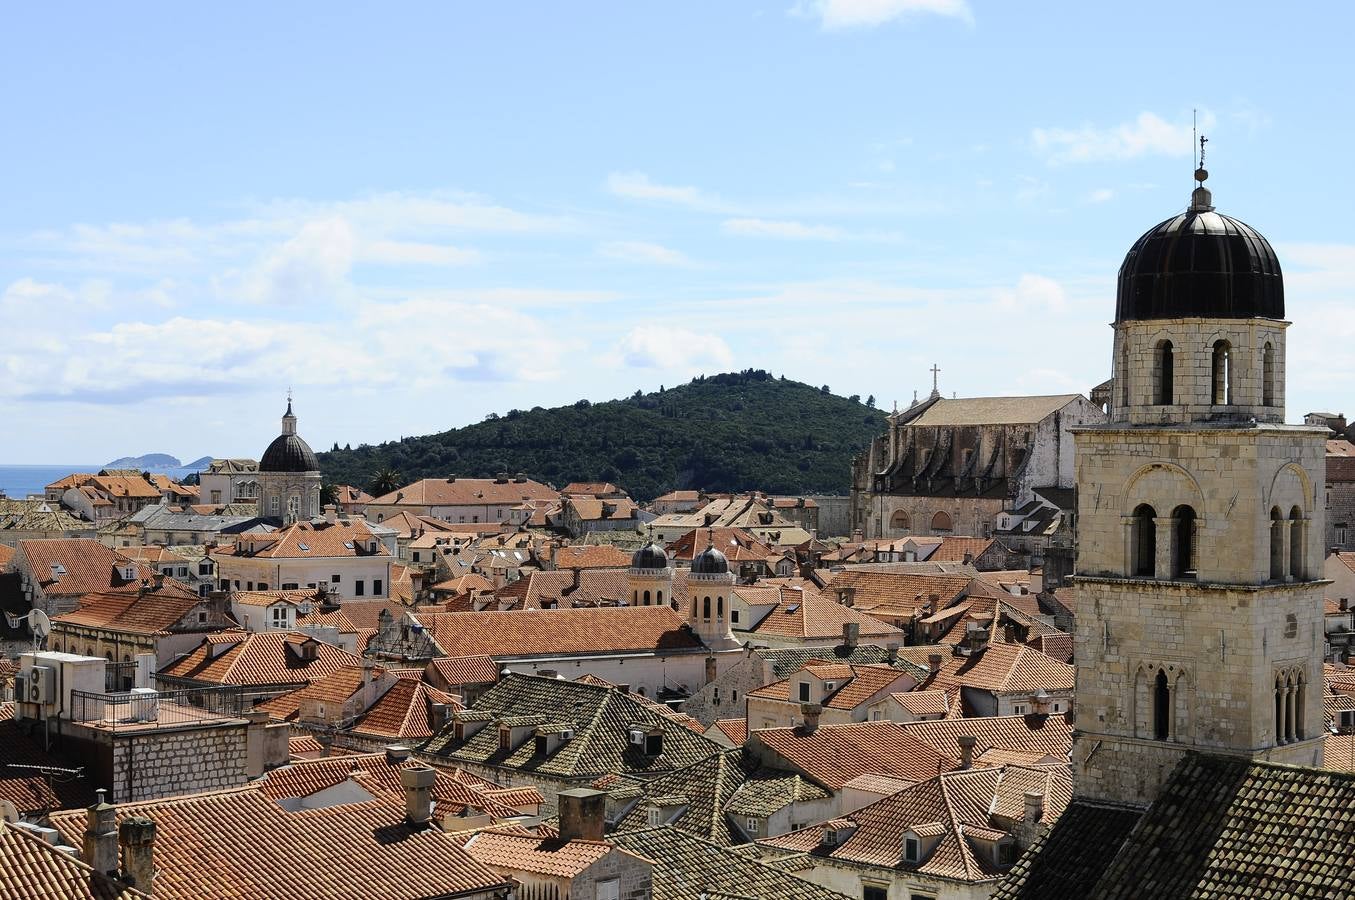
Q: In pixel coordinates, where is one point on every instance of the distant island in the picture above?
(156, 461)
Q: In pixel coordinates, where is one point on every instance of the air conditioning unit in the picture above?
(637, 737)
(36, 685)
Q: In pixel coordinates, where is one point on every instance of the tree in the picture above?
(855, 398)
(384, 480)
(824, 390)
(327, 493)
(870, 402)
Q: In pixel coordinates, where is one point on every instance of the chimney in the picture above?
(56, 572)
(966, 742)
(582, 813)
(439, 714)
(159, 580)
(891, 653)
(331, 513)
(811, 713)
(396, 753)
(711, 671)
(136, 835)
(100, 851)
(1027, 831)
(1034, 807)
(1008, 634)
(934, 662)
(1041, 702)
(851, 634)
(418, 784)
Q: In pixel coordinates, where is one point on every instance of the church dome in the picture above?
(710, 562)
(289, 453)
(650, 556)
(1200, 263)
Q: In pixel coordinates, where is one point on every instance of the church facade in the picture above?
(953, 466)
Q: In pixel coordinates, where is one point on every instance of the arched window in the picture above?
(1279, 709)
(1300, 690)
(719, 607)
(646, 598)
(1183, 542)
(941, 523)
(1296, 543)
(1166, 374)
(1267, 375)
(1276, 544)
(899, 521)
(1162, 707)
(1145, 541)
(634, 597)
(1123, 375)
(705, 608)
(1222, 374)
(658, 601)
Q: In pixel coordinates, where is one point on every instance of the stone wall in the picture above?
(168, 763)
(634, 877)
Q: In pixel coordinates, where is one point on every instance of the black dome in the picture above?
(710, 562)
(1200, 263)
(650, 556)
(289, 453)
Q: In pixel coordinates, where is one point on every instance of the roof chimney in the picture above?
(892, 652)
(934, 662)
(966, 742)
(1040, 702)
(396, 753)
(851, 634)
(1034, 807)
(581, 814)
(811, 713)
(136, 835)
(418, 784)
(331, 513)
(100, 850)
(57, 569)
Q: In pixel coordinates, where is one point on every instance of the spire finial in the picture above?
(1201, 200)
(936, 391)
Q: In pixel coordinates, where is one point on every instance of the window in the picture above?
(1267, 375)
(249, 585)
(376, 587)
(899, 521)
(274, 504)
(655, 818)
(871, 892)
(1276, 544)
(715, 695)
(334, 579)
(1145, 541)
(1222, 374)
(734, 617)
(279, 617)
(733, 696)
(359, 588)
(1183, 542)
(750, 826)
(1166, 374)
(804, 692)
(505, 739)
(289, 586)
(202, 617)
(1006, 853)
(654, 744)
(910, 849)
(941, 523)
(1162, 707)
(1347, 718)
(204, 568)
(1296, 544)
(705, 607)
(1019, 709)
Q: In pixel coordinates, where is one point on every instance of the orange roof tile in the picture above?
(151, 613)
(459, 670)
(542, 856)
(467, 492)
(88, 567)
(258, 659)
(551, 632)
(809, 615)
(591, 556)
(834, 754)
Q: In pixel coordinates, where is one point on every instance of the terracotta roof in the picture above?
(405, 711)
(590, 488)
(304, 744)
(259, 659)
(923, 703)
(346, 493)
(956, 548)
(592, 556)
(89, 567)
(890, 595)
(467, 492)
(734, 729)
(460, 670)
(1045, 735)
(334, 688)
(589, 510)
(406, 524)
(737, 544)
(993, 410)
(595, 587)
(834, 754)
(269, 598)
(241, 844)
(32, 869)
(808, 615)
(858, 684)
(1000, 668)
(679, 497)
(6, 554)
(29, 791)
(308, 540)
(529, 853)
(152, 613)
(551, 632)
(1068, 860)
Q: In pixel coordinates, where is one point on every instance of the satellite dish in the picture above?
(39, 624)
(9, 812)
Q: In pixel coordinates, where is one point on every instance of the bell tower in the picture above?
(1199, 567)
(709, 588)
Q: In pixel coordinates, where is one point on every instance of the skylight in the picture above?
(303, 546)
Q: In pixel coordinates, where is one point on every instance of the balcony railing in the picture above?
(148, 709)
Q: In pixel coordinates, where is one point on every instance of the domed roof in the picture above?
(289, 453)
(650, 556)
(1200, 263)
(710, 562)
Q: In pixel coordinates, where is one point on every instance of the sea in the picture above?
(18, 482)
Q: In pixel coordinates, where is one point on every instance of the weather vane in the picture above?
(1201, 173)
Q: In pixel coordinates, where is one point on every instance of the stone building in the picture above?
(953, 466)
(1199, 563)
(289, 476)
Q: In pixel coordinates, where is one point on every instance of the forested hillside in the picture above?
(732, 432)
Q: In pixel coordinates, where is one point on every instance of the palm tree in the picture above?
(384, 481)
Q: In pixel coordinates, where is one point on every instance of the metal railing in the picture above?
(119, 676)
(147, 709)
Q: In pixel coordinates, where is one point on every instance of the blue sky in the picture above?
(418, 215)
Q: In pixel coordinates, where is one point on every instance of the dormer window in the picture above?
(654, 744)
(912, 849)
(1006, 853)
(804, 692)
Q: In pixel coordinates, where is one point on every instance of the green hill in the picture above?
(729, 432)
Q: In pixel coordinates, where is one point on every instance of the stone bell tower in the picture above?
(1198, 574)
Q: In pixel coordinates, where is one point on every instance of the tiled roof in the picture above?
(600, 717)
(1000, 668)
(889, 595)
(89, 567)
(685, 867)
(1044, 735)
(809, 615)
(405, 711)
(785, 660)
(311, 540)
(31, 869)
(301, 745)
(268, 598)
(346, 493)
(953, 807)
(860, 684)
(151, 613)
(241, 844)
(333, 688)
(260, 659)
(834, 754)
(589, 489)
(467, 492)
(551, 632)
(6, 554)
(454, 792)
(734, 729)
(1068, 860)
(679, 497)
(595, 587)
(591, 556)
(993, 410)
(508, 852)
(737, 544)
(459, 670)
(589, 510)
(25, 788)
(923, 703)
(406, 524)
(955, 549)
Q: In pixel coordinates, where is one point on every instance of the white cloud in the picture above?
(414, 252)
(1101, 195)
(643, 252)
(651, 347)
(781, 228)
(1148, 134)
(835, 14)
(312, 266)
(638, 186)
(1033, 292)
